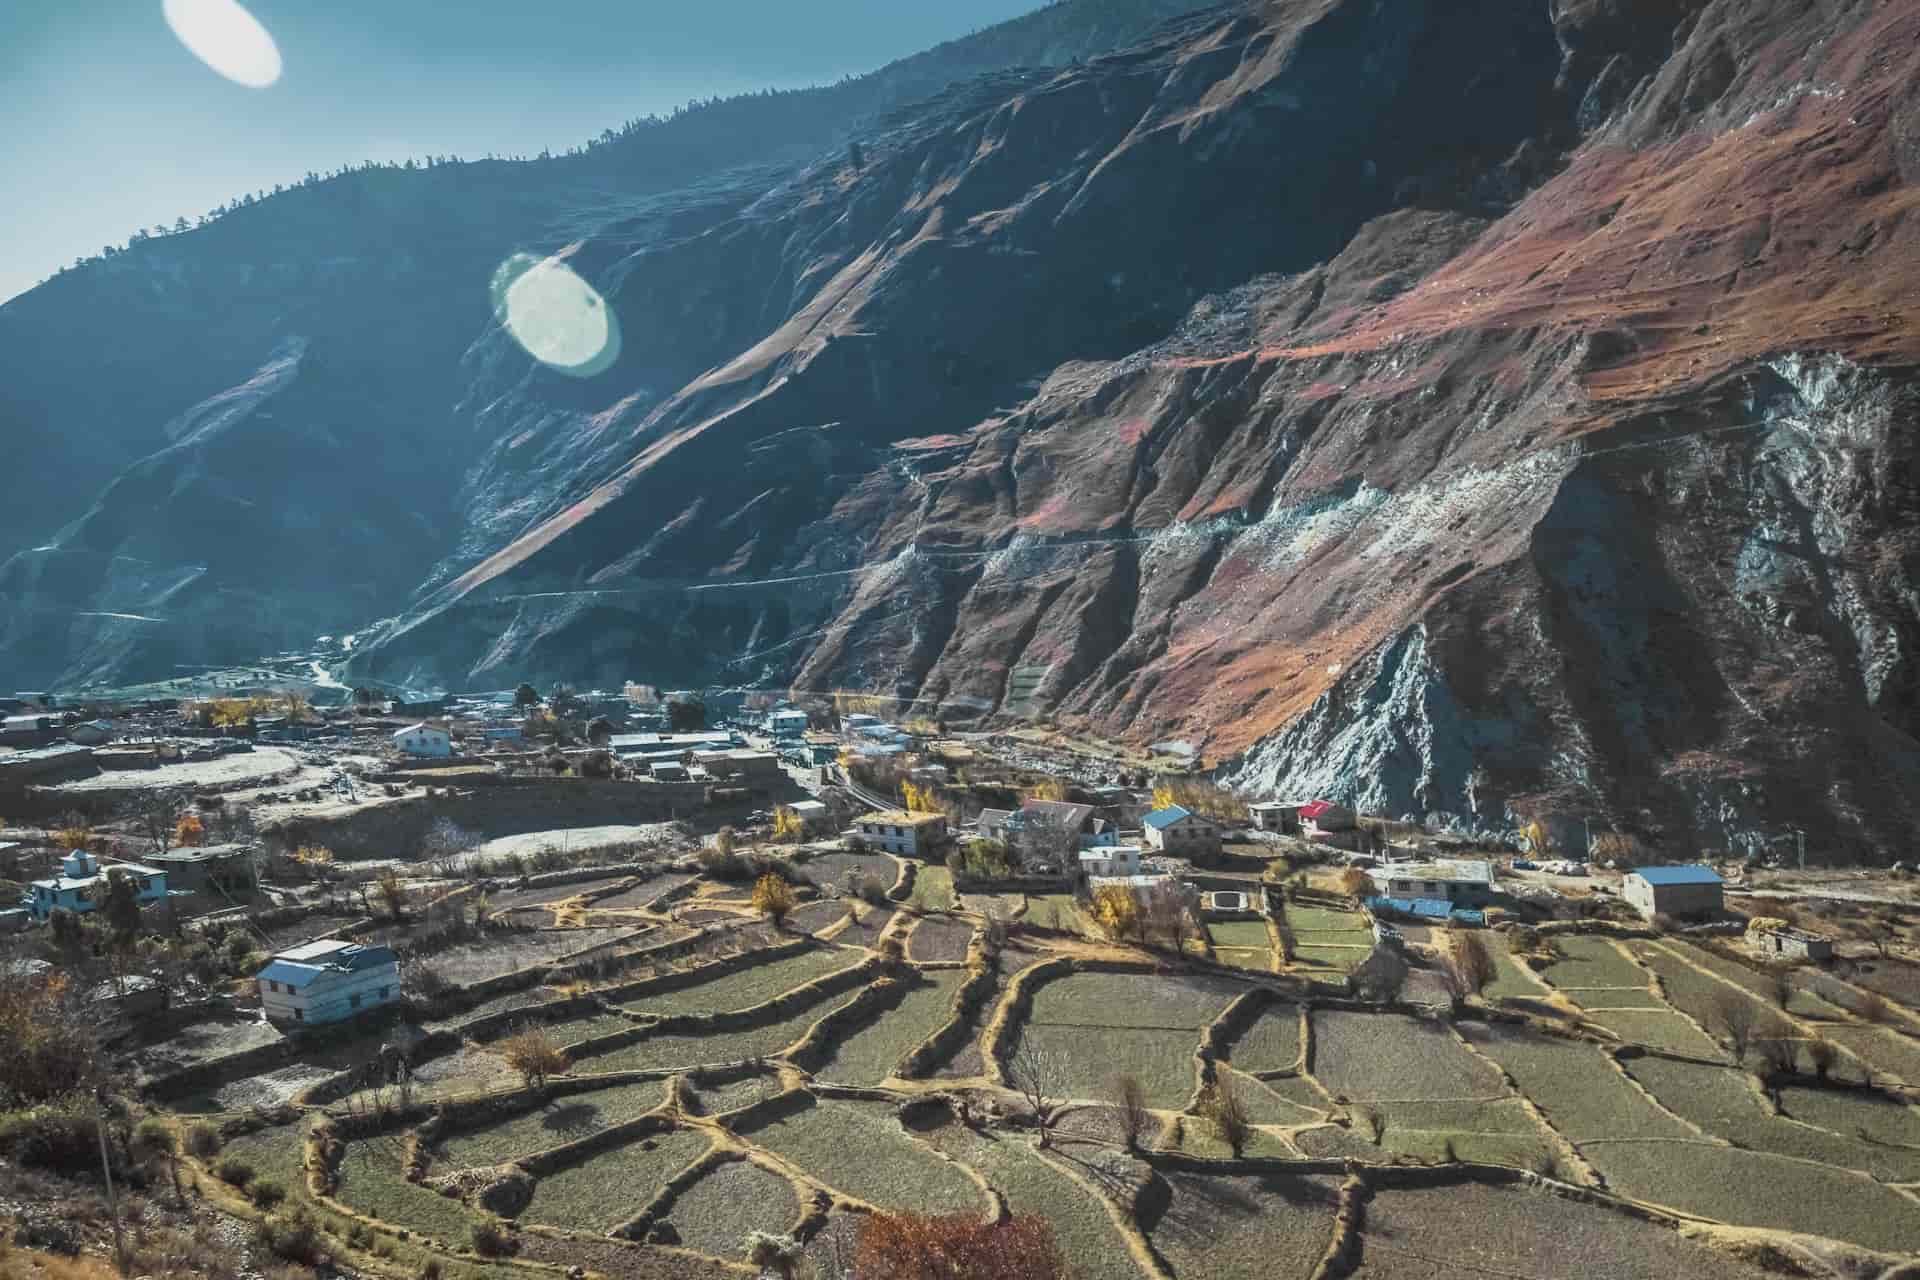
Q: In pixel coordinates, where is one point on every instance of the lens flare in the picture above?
(560, 319)
(222, 34)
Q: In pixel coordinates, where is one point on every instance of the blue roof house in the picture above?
(1181, 833)
(81, 886)
(1689, 892)
(327, 981)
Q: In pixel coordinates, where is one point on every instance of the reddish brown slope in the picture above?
(1532, 436)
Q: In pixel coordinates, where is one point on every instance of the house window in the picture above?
(299, 1015)
(385, 992)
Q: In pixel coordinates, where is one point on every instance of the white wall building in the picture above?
(897, 831)
(1118, 860)
(81, 886)
(423, 740)
(323, 982)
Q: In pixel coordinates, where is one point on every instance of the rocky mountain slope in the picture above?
(379, 278)
(1485, 410)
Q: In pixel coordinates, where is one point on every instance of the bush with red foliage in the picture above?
(915, 1246)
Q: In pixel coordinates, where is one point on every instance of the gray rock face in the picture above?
(1388, 738)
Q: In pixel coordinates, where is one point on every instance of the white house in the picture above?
(897, 831)
(81, 886)
(423, 740)
(327, 981)
(1175, 831)
(1118, 860)
(1686, 891)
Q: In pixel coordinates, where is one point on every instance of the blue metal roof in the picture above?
(1161, 819)
(1663, 876)
(294, 975)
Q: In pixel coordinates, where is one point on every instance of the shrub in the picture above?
(773, 898)
(534, 1055)
(153, 1136)
(491, 1239)
(234, 1171)
(1873, 1007)
(294, 1236)
(63, 1138)
(913, 1246)
(266, 1193)
(202, 1139)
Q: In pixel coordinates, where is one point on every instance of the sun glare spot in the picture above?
(560, 319)
(222, 34)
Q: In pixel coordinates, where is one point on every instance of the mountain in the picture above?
(379, 275)
(1486, 411)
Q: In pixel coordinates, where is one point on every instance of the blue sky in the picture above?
(108, 123)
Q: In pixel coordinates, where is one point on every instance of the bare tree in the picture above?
(1222, 1106)
(445, 845)
(392, 892)
(1045, 836)
(534, 1055)
(1168, 917)
(1777, 1051)
(1289, 944)
(1130, 1101)
(156, 814)
(1039, 1074)
(1733, 1017)
(1821, 1053)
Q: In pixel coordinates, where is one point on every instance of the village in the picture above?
(645, 983)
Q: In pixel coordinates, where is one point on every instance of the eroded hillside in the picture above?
(1468, 412)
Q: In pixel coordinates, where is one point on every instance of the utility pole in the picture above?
(106, 1171)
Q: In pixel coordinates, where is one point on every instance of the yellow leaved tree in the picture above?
(787, 824)
(1116, 911)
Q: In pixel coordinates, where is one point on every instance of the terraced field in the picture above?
(1665, 1119)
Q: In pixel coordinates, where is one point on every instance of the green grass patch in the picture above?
(1887, 1052)
(1382, 1055)
(1512, 982)
(1592, 962)
(1245, 958)
(1495, 1115)
(1199, 1138)
(1133, 1000)
(1081, 1225)
(1273, 1106)
(1615, 998)
(1271, 1043)
(1657, 1029)
(1575, 1086)
(1515, 1150)
(1054, 911)
(1324, 920)
(870, 1054)
(658, 1052)
(715, 1214)
(1417, 1235)
(372, 1181)
(1747, 1188)
(1848, 1112)
(862, 1150)
(1162, 1059)
(1243, 1228)
(561, 1120)
(276, 1154)
(745, 988)
(606, 1190)
(1338, 959)
(1239, 933)
(1721, 1101)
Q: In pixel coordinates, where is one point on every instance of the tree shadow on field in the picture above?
(572, 1118)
